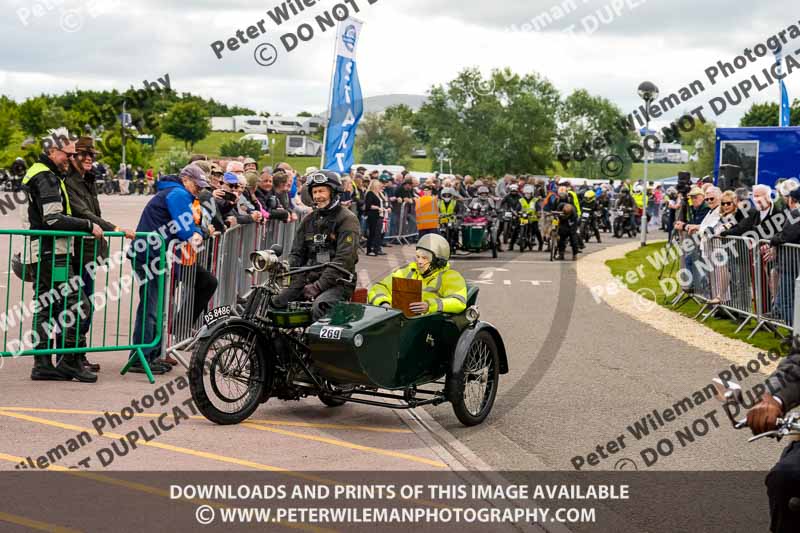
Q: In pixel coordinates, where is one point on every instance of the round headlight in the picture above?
(358, 340)
(263, 259)
(472, 314)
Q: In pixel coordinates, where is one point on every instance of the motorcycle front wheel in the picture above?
(228, 374)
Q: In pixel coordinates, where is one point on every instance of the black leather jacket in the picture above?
(330, 236)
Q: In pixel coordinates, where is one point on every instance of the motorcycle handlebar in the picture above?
(303, 270)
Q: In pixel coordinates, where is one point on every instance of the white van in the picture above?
(250, 124)
(260, 138)
(286, 125)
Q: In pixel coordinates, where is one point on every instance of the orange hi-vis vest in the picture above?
(189, 254)
(427, 213)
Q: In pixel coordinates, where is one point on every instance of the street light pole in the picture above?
(122, 135)
(647, 92)
(644, 183)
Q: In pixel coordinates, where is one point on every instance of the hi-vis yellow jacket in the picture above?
(444, 289)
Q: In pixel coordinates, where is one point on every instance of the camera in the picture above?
(684, 184)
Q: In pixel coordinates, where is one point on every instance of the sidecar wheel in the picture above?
(228, 374)
(476, 382)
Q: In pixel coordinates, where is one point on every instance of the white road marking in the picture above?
(488, 272)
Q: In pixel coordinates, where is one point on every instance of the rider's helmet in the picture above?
(589, 196)
(637, 188)
(447, 194)
(513, 188)
(624, 191)
(483, 191)
(527, 191)
(326, 178)
(436, 245)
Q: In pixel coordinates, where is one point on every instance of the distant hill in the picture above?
(378, 104)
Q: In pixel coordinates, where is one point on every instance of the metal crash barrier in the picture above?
(69, 293)
(744, 279)
(402, 224)
(225, 257)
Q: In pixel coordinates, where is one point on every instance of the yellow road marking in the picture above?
(240, 462)
(160, 445)
(34, 524)
(141, 488)
(345, 444)
(254, 421)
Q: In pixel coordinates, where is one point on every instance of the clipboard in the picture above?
(404, 293)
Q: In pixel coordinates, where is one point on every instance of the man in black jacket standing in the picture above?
(49, 209)
(82, 192)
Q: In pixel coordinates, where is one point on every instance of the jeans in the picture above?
(145, 328)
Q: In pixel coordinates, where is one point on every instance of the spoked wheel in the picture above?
(494, 238)
(228, 373)
(475, 385)
(553, 247)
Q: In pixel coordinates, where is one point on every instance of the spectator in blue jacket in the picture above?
(170, 214)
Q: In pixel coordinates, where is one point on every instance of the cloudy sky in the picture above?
(406, 46)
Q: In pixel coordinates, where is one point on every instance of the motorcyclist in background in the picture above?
(487, 208)
(510, 203)
(530, 206)
(450, 210)
(626, 201)
(603, 204)
(590, 205)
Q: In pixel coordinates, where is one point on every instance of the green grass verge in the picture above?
(633, 260)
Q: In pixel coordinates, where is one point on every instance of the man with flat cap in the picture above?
(82, 190)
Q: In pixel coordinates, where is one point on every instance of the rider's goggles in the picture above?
(318, 178)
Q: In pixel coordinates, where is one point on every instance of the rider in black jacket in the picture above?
(329, 234)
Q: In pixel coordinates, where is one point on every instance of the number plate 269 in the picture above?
(328, 332)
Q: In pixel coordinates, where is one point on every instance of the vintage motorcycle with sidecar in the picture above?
(357, 353)
(479, 231)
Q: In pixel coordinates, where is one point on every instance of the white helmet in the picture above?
(513, 188)
(637, 188)
(435, 244)
(528, 189)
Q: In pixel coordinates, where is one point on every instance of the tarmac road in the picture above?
(581, 372)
